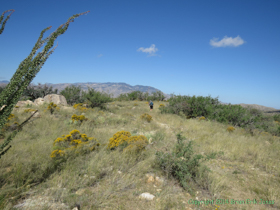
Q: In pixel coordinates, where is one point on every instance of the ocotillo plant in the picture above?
(26, 72)
(7, 18)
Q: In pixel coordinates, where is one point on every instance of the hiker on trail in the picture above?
(151, 105)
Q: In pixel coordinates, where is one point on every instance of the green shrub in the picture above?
(73, 94)
(33, 92)
(96, 99)
(210, 108)
(182, 163)
(276, 117)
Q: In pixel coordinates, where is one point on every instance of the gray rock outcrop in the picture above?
(39, 101)
(55, 98)
(23, 103)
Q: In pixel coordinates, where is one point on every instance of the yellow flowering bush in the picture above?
(29, 110)
(75, 141)
(230, 129)
(11, 123)
(135, 104)
(147, 102)
(136, 144)
(80, 107)
(161, 105)
(78, 118)
(146, 117)
(52, 107)
(101, 113)
(128, 142)
(202, 118)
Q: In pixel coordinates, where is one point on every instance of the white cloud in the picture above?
(100, 55)
(227, 42)
(151, 50)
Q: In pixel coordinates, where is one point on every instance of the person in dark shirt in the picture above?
(151, 105)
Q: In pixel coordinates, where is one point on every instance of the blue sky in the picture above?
(224, 48)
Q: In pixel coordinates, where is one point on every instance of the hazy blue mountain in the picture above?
(109, 87)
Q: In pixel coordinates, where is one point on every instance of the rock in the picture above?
(147, 196)
(39, 101)
(41, 202)
(151, 179)
(3, 107)
(36, 115)
(67, 108)
(55, 98)
(159, 180)
(24, 103)
(133, 107)
(80, 191)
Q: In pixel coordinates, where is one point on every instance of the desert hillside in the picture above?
(239, 168)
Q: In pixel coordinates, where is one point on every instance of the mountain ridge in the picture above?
(117, 88)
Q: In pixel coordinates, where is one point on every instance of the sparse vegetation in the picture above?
(131, 157)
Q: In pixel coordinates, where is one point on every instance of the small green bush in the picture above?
(276, 117)
(96, 99)
(182, 163)
(73, 94)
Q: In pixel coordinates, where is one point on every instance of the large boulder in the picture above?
(55, 98)
(23, 103)
(39, 101)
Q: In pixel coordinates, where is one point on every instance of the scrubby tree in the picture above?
(26, 72)
(33, 92)
(73, 94)
(96, 99)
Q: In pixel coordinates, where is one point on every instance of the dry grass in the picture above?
(248, 169)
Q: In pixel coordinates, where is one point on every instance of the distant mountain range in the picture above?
(119, 88)
(112, 88)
